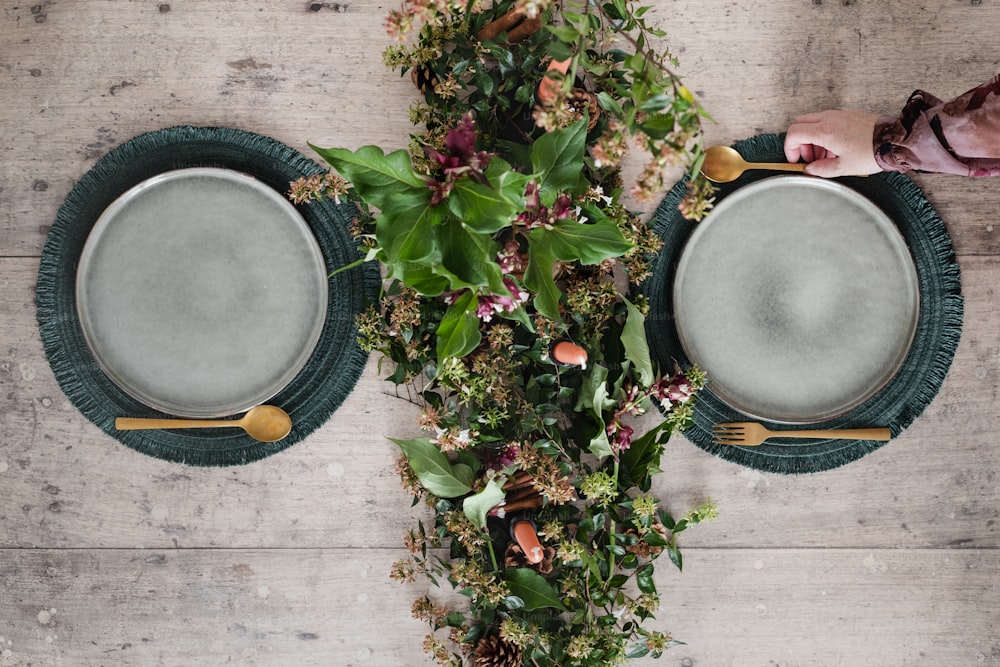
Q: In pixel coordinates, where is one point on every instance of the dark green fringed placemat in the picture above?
(902, 400)
(315, 393)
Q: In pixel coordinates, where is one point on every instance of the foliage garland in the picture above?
(502, 237)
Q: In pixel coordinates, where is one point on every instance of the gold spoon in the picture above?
(723, 164)
(265, 423)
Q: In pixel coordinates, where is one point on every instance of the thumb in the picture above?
(826, 168)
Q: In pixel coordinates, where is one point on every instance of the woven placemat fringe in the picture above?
(336, 363)
(903, 399)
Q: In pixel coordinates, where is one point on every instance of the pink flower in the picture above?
(620, 435)
(509, 454)
(510, 258)
(676, 389)
(536, 215)
(459, 159)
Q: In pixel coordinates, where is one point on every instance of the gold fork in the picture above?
(751, 433)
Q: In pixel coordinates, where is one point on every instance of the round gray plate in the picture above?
(798, 297)
(201, 292)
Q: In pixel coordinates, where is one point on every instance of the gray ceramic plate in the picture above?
(201, 292)
(798, 297)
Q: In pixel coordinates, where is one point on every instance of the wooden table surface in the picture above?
(109, 557)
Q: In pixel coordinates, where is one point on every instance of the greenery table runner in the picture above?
(312, 396)
(897, 404)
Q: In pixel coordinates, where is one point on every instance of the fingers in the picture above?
(806, 140)
(825, 168)
(834, 143)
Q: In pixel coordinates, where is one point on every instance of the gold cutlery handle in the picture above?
(140, 423)
(777, 166)
(837, 434)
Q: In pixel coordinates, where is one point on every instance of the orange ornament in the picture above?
(568, 353)
(548, 89)
(527, 539)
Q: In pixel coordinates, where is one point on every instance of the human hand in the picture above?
(834, 143)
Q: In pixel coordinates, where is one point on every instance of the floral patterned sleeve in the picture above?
(957, 137)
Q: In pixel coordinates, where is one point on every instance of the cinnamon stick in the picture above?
(503, 24)
(532, 502)
(519, 479)
(525, 29)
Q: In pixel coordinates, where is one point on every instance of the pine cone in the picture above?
(423, 78)
(581, 101)
(493, 651)
(644, 549)
(514, 556)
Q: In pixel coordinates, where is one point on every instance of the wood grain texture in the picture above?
(892, 560)
(807, 607)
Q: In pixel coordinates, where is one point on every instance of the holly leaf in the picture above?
(533, 589)
(433, 469)
(477, 506)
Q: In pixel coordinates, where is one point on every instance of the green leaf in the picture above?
(480, 207)
(375, 176)
(404, 229)
(564, 33)
(458, 334)
(658, 125)
(589, 243)
(657, 102)
(557, 158)
(558, 50)
(610, 104)
(477, 506)
(520, 316)
(533, 589)
(505, 60)
(643, 455)
(420, 277)
(621, 7)
(599, 445)
(594, 378)
(485, 83)
(466, 258)
(594, 397)
(636, 347)
(639, 650)
(433, 469)
(654, 538)
(576, 18)
(513, 603)
(675, 556)
(644, 578)
(538, 276)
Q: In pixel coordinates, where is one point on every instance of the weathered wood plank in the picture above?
(68, 485)
(285, 560)
(305, 76)
(809, 607)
